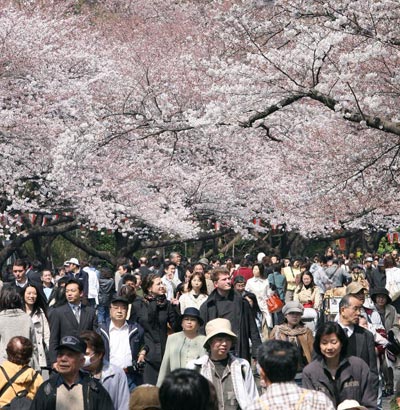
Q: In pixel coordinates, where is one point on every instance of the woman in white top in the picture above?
(35, 308)
(197, 292)
(259, 285)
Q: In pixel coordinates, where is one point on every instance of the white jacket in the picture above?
(242, 377)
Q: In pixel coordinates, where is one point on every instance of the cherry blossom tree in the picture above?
(153, 117)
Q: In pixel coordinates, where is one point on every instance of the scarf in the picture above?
(292, 333)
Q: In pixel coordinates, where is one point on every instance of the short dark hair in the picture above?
(10, 299)
(94, 341)
(279, 360)
(167, 264)
(106, 273)
(19, 349)
(128, 276)
(77, 282)
(329, 328)
(20, 262)
(185, 389)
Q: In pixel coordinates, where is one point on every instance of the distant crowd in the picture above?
(290, 333)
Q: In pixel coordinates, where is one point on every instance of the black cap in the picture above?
(72, 343)
(120, 299)
(239, 279)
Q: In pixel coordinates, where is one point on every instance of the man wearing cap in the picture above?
(71, 318)
(70, 388)
(232, 377)
(124, 342)
(75, 272)
(370, 271)
(361, 341)
(225, 302)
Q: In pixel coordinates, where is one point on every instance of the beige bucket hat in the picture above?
(217, 327)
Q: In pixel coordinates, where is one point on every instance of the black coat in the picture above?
(362, 345)
(242, 321)
(63, 323)
(95, 396)
(155, 319)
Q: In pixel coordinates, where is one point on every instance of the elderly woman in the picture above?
(294, 331)
(19, 352)
(183, 346)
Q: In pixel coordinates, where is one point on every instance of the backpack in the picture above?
(20, 401)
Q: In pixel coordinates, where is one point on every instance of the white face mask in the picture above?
(87, 360)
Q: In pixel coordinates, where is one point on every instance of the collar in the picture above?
(113, 327)
(60, 381)
(73, 307)
(21, 285)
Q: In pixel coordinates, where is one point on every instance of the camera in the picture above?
(138, 367)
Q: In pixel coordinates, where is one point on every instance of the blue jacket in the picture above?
(136, 339)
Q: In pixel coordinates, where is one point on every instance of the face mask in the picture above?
(87, 360)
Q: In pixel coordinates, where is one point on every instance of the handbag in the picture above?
(274, 303)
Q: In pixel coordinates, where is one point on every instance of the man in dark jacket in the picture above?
(225, 302)
(361, 341)
(124, 342)
(70, 388)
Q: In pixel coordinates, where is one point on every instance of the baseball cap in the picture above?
(72, 343)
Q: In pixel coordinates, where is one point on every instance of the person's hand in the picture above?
(174, 301)
(142, 356)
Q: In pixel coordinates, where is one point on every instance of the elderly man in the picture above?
(124, 342)
(70, 388)
(361, 341)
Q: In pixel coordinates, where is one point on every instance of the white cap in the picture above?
(260, 257)
(74, 261)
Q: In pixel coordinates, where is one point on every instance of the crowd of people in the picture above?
(179, 334)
